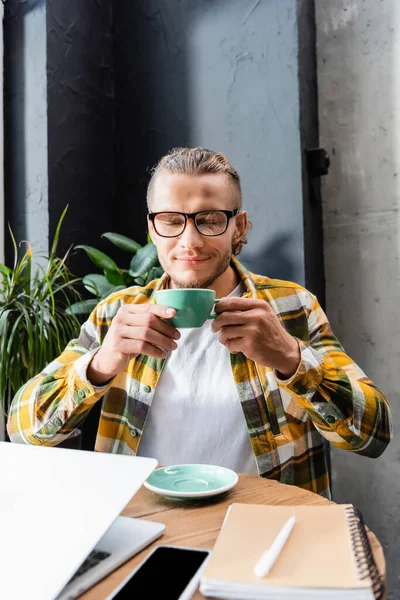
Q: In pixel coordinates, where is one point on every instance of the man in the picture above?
(258, 390)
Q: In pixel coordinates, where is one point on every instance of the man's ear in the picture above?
(151, 231)
(241, 226)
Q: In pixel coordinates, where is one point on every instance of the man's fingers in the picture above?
(234, 346)
(237, 303)
(135, 347)
(156, 309)
(145, 334)
(228, 318)
(229, 333)
(151, 320)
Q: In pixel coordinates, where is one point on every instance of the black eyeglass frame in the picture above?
(228, 213)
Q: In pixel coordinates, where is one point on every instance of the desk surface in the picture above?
(198, 523)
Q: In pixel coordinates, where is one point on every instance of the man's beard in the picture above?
(220, 268)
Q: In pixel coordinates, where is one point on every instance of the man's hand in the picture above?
(252, 327)
(135, 329)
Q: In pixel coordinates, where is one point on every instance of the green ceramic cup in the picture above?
(193, 306)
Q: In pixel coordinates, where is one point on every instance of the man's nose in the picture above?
(191, 238)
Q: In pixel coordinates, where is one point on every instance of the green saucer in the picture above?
(191, 481)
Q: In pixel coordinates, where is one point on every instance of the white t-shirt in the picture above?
(196, 415)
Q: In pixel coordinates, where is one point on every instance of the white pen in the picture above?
(268, 558)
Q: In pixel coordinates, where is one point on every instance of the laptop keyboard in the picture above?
(92, 560)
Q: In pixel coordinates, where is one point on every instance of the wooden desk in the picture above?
(198, 523)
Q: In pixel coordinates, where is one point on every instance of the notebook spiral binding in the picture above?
(362, 551)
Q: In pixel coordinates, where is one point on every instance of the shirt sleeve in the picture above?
(50, 406)
(344, 405)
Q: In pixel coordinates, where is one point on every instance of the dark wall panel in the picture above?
(151, 97)
(309, 130)
(81, 121)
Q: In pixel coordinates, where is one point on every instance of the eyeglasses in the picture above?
(207, 222)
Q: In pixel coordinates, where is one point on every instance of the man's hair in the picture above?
(199, 161)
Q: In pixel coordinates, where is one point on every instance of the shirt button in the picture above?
(81, 394)
(330, 418)
(58, 422)
(147, 389)
(133, 432)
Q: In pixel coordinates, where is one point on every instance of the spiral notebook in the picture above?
(327, 555)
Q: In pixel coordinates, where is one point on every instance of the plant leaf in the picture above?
(84, 307)
(6, 271)
(57, 235)
(5, 322)
(97, 284)
(114, 277)
(68, 285)
(14, 243)
(152, 274)
(117, 288)
(13, 330)
(122, 242)
(33, 325)
(101, 260)
(144, 260)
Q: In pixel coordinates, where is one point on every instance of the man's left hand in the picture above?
(252, 327)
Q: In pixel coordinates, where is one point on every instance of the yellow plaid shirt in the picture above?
(328, 398)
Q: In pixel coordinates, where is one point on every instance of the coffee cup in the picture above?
(193, 306)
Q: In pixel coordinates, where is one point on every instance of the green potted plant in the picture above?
(143, 268)
(34, 327)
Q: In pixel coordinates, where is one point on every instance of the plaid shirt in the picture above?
(328, 398)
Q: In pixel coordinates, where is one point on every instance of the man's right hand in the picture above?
(135, 329)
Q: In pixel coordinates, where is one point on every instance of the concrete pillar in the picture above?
(358, 45)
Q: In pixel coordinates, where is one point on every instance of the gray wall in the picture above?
(97, 92)
(25, 122)
(359, 98)
(224, 75)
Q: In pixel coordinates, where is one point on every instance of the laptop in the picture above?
(59, 508)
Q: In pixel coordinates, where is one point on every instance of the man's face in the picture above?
(193, 259)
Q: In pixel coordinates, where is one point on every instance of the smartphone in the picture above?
(167, 572)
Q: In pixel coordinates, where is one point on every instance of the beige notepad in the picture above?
(322, 551)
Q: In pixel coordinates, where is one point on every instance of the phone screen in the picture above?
(165, 574)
